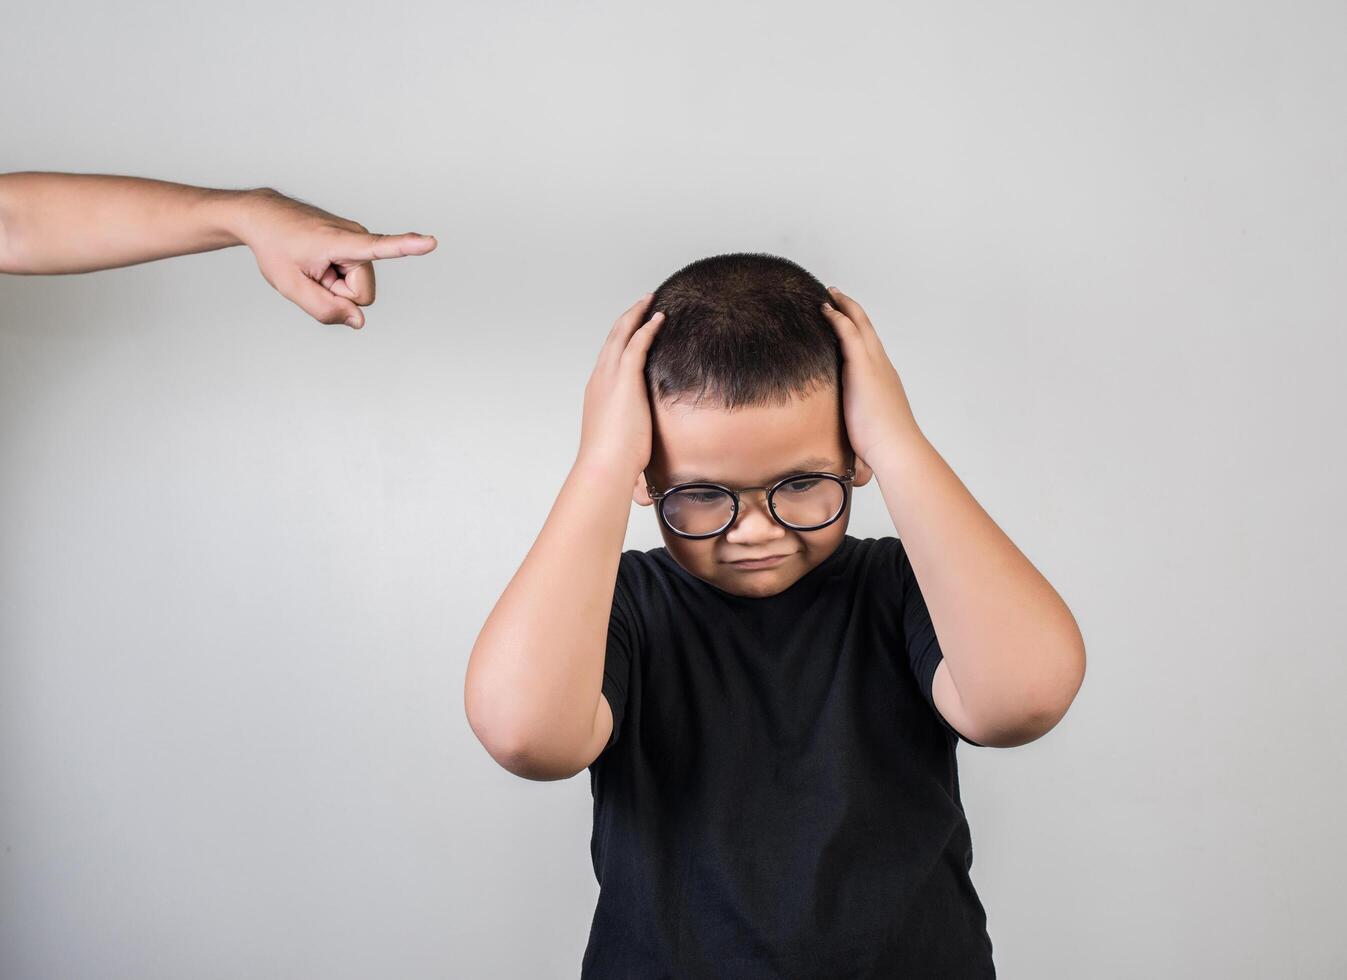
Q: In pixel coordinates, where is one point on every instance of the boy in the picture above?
(767, 714)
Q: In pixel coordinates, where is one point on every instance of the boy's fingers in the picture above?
(847, 332)
(852, 309)
(641, 341)
(365, 247)
(632, 317)
(625, 326)
(321, 304)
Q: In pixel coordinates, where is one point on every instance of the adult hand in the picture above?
(59, 224)
(319, 261)
(874, 404)
(616, 429)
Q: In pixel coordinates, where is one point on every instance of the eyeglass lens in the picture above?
(806, 502)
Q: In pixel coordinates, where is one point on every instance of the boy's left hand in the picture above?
(874, 403)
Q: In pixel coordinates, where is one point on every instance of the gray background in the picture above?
(244, 556)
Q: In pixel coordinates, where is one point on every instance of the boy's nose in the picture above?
(754, 522)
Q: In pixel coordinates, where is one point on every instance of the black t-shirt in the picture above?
(779, 798)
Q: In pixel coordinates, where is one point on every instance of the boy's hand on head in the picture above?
(319, 261)
(616, 431)
(874, 403)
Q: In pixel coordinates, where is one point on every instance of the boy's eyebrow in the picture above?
(821, 463)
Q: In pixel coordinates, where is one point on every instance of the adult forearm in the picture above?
(1011, 645)
(536, 670)
(54, 223)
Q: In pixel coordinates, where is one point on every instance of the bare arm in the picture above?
(62, 223)
(1014, 656)
(52, 223)
(533, 688)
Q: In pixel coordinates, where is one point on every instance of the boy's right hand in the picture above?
(616, 430)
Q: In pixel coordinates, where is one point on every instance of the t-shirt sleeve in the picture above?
(923, 646)
(618, 655)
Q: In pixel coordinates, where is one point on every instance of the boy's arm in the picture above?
(1014, 655)
(533, 688)
(53, 223)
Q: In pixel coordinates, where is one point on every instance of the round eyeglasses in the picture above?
(802, 502)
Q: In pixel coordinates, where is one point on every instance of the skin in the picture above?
(69, 223)
(1014, 657)
(532, 691)
(751, 446)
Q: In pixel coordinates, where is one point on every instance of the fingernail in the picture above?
(353, 322)
(832, 289)
(827, 306)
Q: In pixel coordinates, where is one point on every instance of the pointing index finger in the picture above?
(357, 247)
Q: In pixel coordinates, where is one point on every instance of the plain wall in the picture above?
(244, 556)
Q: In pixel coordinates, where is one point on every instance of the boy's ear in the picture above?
(863, 473)
(639, 494)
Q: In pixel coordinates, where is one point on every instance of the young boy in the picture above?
(768, 707)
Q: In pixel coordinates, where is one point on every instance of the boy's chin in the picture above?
(751, 583)
(757, 585)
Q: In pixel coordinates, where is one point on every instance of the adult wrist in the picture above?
(239, 214)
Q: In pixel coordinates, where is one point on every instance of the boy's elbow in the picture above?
(1041, 717)
(1049, 700)
(541, 766)
(8, 261)
(1022, 729)
(519, 751)
(500, 736)
(528, 730)
(1032, 715)
(9, 255)
(533, 760)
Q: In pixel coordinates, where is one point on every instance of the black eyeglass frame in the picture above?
(845, 480)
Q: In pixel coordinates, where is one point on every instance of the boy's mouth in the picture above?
(765, 562)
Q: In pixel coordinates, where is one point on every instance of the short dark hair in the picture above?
(743, 329)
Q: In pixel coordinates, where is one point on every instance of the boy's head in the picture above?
(745, 389)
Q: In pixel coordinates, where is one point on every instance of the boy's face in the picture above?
(750, 447)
